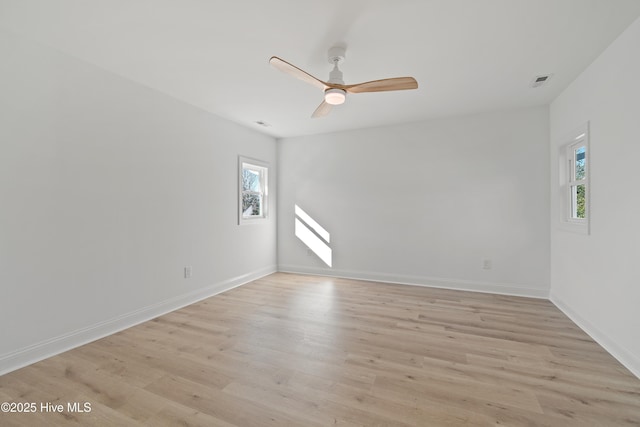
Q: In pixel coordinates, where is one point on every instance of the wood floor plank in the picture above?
(294, 350)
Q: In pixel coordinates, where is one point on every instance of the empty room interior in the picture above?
(295, 213)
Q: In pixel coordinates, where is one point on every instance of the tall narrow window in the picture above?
(253, 195)
(574, 174)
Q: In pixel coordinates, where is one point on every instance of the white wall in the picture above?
(425, 203)
(107, 190)
(595, 279)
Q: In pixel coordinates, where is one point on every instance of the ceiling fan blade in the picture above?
(323, 109)
(294, 71)
(397, 83)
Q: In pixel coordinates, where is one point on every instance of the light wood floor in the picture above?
(290, 350)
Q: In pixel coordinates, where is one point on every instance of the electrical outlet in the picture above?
(486, 264)
(188, 271)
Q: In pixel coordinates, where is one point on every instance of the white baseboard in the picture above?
(56, 345)
(433, 282)
(624, 356)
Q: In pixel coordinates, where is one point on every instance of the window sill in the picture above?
(574, 227)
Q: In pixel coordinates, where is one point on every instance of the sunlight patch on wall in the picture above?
(313, 235)
(311, 223)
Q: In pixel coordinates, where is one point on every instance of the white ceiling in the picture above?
(467, 55)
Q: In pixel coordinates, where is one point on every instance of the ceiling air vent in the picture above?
(540, 80)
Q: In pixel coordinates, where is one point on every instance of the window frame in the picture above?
(263, 169)
(567, 170)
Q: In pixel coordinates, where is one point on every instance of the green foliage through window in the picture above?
(580, 201)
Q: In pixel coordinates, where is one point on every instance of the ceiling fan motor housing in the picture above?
(335, 76)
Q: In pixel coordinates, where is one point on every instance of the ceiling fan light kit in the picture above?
(335, 91)
(335, 96)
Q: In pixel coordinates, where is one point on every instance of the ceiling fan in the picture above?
(335, 91)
